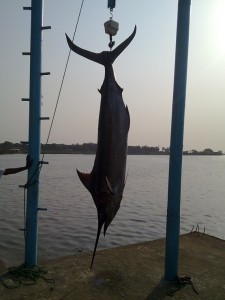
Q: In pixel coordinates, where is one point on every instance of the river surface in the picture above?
(69, 225)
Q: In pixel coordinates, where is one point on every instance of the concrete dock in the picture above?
(133, 272)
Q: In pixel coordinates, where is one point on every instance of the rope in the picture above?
(181, 282)
(22, 275)
(63, 77)
(24, 213)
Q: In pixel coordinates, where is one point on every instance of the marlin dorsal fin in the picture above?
(85, 178)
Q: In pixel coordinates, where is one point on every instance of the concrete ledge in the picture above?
(133, 272)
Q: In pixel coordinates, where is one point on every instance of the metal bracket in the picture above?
(45, 73)
(24, 142)
(22, 186)
(46, 27)
(42, 209)
(22, 229)
(44, 118)
(41, 162)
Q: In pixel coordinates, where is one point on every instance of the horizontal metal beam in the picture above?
(24, 142)
(45, 73)
(42, 209)
(41, 162)
(46, 27)
(22, 186)
(44, 118)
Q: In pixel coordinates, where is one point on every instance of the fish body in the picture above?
(106, 181)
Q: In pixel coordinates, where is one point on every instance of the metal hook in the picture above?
(111, 13)
(111, 43)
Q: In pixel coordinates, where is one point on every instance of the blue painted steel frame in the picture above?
(34, 134)
(176, 142)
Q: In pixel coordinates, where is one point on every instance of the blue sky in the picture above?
(145, 70)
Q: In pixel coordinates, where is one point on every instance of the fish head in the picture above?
(107, 207)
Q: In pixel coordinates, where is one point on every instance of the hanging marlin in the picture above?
(106, 181)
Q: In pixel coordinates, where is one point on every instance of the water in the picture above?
(70, 223)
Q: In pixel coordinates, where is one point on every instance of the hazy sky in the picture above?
(145, 70)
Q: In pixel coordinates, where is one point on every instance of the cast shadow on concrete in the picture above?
(169, 288)
(161, 290)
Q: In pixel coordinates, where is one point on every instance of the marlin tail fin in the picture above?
(104, 57)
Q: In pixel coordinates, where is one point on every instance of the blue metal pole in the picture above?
(34, 134)
(176, 142)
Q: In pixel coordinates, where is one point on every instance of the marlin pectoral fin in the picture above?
(128, 114)
(85, 178)
(110, 186)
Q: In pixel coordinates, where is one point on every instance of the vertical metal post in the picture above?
(176, 142)
(34, 134)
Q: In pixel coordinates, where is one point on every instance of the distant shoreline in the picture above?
(137, 154)
(90, 148)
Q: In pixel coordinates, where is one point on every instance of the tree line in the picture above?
(90, 148)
